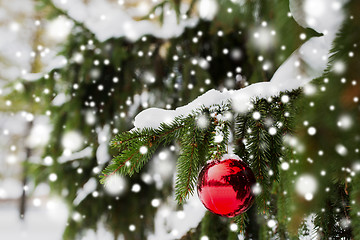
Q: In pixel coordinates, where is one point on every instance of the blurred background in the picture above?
(27, 212)
(56, 122)
(73, 73)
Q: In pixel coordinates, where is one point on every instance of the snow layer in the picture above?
(86, 152)
(88, 188)
(290, 75)
(230, 156)
(54, 63)
(107, 20)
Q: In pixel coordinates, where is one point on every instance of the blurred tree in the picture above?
(107, 79)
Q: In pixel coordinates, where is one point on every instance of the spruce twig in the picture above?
(136, 147)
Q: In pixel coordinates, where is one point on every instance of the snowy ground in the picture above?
(40, 223)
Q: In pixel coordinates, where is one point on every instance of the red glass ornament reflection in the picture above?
(224, 187)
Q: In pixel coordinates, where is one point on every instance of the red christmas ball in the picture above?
(224, 187)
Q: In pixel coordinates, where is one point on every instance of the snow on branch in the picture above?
(313, 54)
(108, 19)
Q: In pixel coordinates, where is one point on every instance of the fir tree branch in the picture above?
(120, 166)
(190, 160)
(257, 145)
(273, 152)
(183, 189)
(219, 148)
(259, 163)
(241, 221)
(240, 133)
(355, 207)
(136, 147)
(125, 139)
